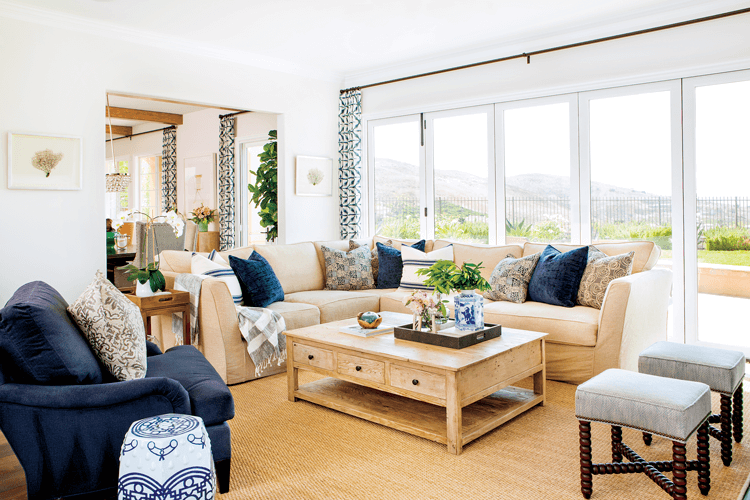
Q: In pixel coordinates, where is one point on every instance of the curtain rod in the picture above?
(234, 114)
(527, 55)
(140, 133)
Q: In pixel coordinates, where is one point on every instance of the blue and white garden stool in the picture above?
(167, 457)
(722, 370)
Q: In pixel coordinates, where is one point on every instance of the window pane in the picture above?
(396, 163)
(723, 212)
(537, 173)
(631, 169)
(461, 178)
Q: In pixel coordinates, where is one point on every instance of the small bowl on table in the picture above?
(369, 320)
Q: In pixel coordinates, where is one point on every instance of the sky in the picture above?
(630, 141)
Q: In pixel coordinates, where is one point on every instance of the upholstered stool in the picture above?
(721, 369)
(667, 407)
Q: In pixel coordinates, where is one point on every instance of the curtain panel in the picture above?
(350, 164)
(226, 183)
(169, 169)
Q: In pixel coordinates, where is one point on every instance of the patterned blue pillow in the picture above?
(391, 266)
(260, 286)
(557, 276)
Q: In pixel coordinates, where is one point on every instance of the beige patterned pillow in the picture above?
(600, 271)
(375, 262)
(113, 327)
(348, 270)
(510, 278)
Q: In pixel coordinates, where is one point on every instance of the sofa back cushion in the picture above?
(41, 344)
(489, 256)
(396, 243)
(296, 266)
(646, 252)
(175, 261)
(342, 245)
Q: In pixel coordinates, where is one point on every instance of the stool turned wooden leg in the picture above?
(726, 429)
(647, 438)
(704, 465)
(584, 434)
(738, 414)
(678, 471)
(616, 442)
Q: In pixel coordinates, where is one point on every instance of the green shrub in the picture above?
(724, 238)
(547, 231)
(661, 235)
(520, 229)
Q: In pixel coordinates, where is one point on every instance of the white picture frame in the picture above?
(314, 176)
(199, 182)
(58, 160)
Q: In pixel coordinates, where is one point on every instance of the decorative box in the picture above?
(449, 337)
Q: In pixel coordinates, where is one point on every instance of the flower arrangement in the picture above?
(149, 272)
(425, 307)
(46, 160)
(203, 214)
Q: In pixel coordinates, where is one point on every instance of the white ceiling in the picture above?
(338, 39)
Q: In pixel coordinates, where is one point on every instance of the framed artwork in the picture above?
(200, 182)
(314, 176)
(45, 162)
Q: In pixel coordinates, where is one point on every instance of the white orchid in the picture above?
(121, 219)
(175, 220)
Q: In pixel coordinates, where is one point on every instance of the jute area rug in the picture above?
(284, 450)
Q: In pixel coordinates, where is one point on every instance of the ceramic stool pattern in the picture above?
(167, 457)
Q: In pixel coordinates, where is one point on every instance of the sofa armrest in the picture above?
(633, 316)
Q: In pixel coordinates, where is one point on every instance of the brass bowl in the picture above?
(365, 324)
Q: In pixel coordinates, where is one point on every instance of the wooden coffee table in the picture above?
(446, 395)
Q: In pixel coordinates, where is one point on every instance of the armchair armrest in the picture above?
(633, 316)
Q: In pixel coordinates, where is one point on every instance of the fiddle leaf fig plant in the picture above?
(446, 276)
(265, 189)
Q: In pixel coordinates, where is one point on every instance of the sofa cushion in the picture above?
(374, 262)
(296, 266)
(296, 315)
(646, 252)
(557, 276)
(566, 325)
(258, 281)
(424, 245)
(210, 398)
(414, 259)
(215, 266)
(113, 326)
(510, 278)
(348, 270)
(40, 343)
(391, 265)
(336, 305)
(600, 271)
(343, 245)
(488, 255)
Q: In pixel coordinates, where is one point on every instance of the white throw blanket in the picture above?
(263, 331)
(188, 283)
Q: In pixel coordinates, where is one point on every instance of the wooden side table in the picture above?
(173, 302)
(207, 241)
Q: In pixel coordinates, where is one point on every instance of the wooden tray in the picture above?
(173, 298)
(450, 337)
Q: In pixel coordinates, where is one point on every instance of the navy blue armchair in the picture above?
(65, 416)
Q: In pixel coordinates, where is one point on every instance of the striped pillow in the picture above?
(202, 266)
(414, 259)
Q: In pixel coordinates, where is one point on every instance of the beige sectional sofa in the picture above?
(582, 341)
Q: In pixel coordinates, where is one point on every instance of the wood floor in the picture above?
(12, 478)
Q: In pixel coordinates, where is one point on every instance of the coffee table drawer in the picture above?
(313, 356)
(363, 368)
(419, 381)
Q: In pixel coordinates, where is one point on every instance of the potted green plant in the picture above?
(266, 188)
(446, 276)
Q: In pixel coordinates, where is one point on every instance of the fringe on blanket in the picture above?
(263, 331)
(188, 283)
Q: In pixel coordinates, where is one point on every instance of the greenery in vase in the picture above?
(265, 189)
(446, 276)
(203, 215)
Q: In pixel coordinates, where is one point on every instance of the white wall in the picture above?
(54, 81)
(709, 47)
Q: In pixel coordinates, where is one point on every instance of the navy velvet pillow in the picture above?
(557, 276)
(41, 344)
(391, 266)
(259, 284)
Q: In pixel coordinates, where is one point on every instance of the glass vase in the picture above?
(469, 311)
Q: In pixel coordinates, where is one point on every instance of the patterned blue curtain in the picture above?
(350, 161)
(169, 169)
(226, 183)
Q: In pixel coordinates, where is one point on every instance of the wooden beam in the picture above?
(120, 130)
(157, 99)
(146, 116)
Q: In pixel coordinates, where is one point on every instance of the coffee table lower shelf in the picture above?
(416, 417)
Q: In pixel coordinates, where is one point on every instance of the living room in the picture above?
(60, 62)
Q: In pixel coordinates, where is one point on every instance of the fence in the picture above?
(657, 211)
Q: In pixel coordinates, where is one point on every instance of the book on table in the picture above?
(357, 330)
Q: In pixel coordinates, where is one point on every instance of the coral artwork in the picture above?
(46, 160)
(315, 176)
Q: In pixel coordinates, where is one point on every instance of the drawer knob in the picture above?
(310, 356)
(358, 368)
(415, 381)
